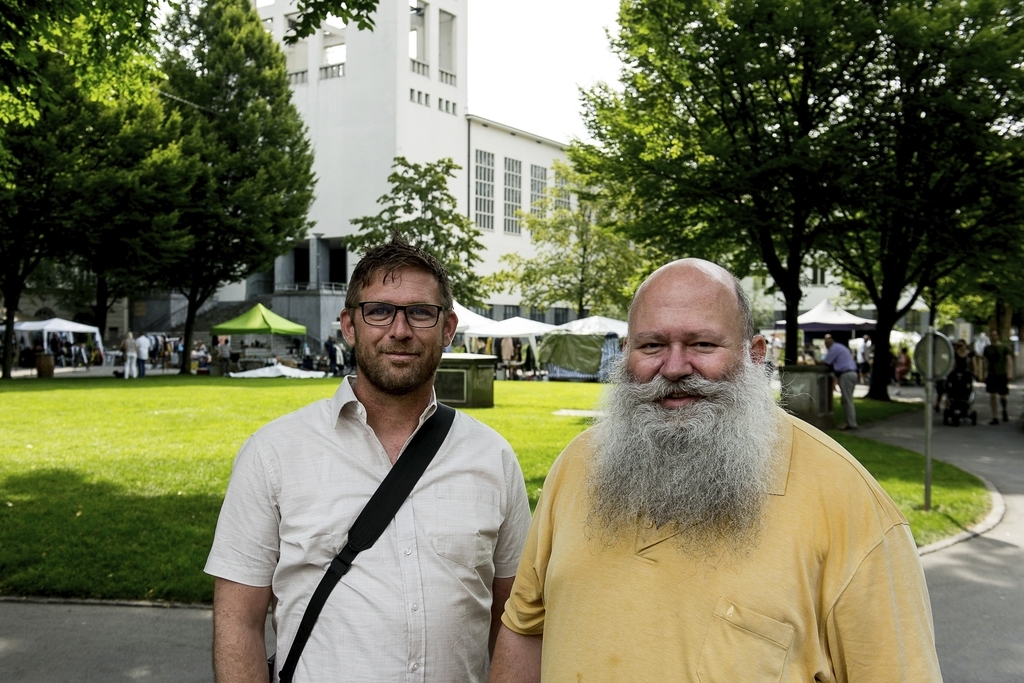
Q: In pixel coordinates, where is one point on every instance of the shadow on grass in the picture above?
(65, 536)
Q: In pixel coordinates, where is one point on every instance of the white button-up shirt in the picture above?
(416, 605)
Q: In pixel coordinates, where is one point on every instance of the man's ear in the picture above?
(451, 324)
(348, 327)
(758, 349)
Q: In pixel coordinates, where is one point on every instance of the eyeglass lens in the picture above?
(383, 313)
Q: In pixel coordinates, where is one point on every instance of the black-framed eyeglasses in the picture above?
(382, 314)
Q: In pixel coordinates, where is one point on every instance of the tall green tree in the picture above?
(728, 138)
(228, 80)
(938, 183)
(95, 196)
(35, 212)
(127, 194)
(101, 41)
(579, 258)
(422, 209)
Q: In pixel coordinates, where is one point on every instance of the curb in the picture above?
(993, 518)
(108, 603)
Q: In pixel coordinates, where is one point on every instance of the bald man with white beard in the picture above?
(699, 533)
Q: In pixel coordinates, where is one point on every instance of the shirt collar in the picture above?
(345, 404)
(783, 455)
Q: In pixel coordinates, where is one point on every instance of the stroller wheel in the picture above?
(956, 421)
(974, 417)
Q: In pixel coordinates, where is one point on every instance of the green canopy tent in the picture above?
(260, 320)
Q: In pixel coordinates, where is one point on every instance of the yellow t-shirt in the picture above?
(833, 591)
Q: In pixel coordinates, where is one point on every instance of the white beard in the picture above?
(702, 470)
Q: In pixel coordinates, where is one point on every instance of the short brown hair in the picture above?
(388, 258)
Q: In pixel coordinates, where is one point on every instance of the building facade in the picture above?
(370, 96)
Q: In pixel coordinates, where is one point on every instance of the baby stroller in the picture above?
(960, 406)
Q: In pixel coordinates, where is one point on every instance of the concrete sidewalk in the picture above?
(977, 590)
(977, 586)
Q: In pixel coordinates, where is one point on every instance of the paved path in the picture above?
(977, 591)
(976, 587)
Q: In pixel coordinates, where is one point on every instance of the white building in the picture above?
(399, 90)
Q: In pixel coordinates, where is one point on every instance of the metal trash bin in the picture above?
(807, 393)
(466, 380)
(44, 365)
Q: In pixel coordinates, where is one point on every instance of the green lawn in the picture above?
(111, 489)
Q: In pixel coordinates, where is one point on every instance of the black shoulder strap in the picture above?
(373, 520)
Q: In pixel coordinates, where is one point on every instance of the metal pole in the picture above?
(929, 397)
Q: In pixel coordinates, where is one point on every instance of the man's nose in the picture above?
(677, 363)
(400, 326)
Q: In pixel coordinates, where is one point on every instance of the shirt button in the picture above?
(407, 551)
(731, 611)
(415, 607)
(415, 666)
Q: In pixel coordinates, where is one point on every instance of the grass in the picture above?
(959, 499)
(869, 410)
(111, 489)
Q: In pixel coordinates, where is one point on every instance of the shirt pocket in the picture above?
(466, 525)
(743, 645)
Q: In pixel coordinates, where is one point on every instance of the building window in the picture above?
(513, 193)
(561, 193)
(510, 312)
(537, 314)
(446, 37)
(486, 312)
(817, 276)
(484, 190)
(538, 183)
(561, 315)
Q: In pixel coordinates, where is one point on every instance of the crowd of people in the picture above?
(990, 361)
(148, 349)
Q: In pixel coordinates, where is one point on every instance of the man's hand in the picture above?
(239, 617)
(516, 658)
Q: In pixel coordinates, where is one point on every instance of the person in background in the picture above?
(143, 344)
(224, 354)
(131, 356)
(998, 368)
(902, 367)
(331, 349)
(865, 352)
(839, 358)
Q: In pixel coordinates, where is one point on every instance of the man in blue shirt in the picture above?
(841, 361)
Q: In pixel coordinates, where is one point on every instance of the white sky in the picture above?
(527, 59)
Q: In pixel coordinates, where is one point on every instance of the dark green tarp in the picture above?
(580, 352)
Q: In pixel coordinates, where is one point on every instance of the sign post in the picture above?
(934, 358)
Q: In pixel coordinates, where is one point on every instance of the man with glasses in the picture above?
(424, 602)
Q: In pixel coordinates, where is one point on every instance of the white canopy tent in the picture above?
(468, 318)
(516, 327)
(826, 316)
(58, 325)
(596, 324)
(510, 327)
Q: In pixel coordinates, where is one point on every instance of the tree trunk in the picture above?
(788, 282)
(881, 367)
(11, 302)
(792, 331)
(190, 322)
(99, 310)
